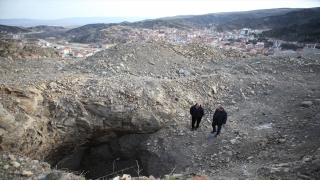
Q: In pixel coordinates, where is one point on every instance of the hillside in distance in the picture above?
(75, 21)
(172, 23)
(89, 28)
(149, 24)
(276, 21)
(93, 32)
(45, 28)
(186, 21)
(13, 29)
(223, 17)
(308, 32)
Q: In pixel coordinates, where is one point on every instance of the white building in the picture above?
(244, 31)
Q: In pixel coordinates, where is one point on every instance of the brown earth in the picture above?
(129, 106)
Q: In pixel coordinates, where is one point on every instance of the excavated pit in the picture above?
(122, 155)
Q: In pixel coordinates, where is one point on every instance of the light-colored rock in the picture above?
(27, 173)
(233, 141)
(6, 119)
(15, 164)
(53, 85)
(306, 103)
(42, 177)
(42, 86)
(152, 177)
(126, 177)
(177, 175)
(286, 170)
(12, 157)
(186, 73)
(214, 89)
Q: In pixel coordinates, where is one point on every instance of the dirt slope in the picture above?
(132, 102)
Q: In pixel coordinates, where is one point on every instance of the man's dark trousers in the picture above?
(214, 124)
(194, 119)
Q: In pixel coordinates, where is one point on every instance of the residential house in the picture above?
(310, 45)
(51, 38)
(244, 40)
(253, 51)
(244, 31)
(65, 50)
(106, 46)
(16, 36)
(79, 54)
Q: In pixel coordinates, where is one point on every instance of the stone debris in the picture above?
(306, 103)
(27, 173)
(233, 141)
(132, 101)
(16, 166)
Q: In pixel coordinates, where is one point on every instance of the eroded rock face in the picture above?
(53, 122)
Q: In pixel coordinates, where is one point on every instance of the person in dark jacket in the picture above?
(219, 119)
(197, 113)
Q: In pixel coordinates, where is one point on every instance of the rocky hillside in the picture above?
(95, 32)
(126, 109)
(10, 50)
(89, 28)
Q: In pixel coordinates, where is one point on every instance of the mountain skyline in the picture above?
(60, 9)
(76, 21)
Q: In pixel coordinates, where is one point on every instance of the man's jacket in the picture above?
(196, 112)
(220, 117)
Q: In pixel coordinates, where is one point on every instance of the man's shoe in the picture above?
(192, 129)
(212, 132)
(216, 135)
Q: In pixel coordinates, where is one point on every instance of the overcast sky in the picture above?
(57, 9)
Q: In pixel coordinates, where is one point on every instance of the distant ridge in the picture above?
(76, 21)
(220, 17)
(45, 28)
(13, 29)
(223, 17)
(276, 21)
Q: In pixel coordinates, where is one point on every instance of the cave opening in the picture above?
(122, 155)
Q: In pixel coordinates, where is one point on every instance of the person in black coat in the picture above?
(219, 118)
(197, 113)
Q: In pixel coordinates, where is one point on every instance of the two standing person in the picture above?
(219, 117)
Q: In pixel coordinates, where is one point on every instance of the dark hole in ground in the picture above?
(111, 169)
(115, 157)
(118, 156)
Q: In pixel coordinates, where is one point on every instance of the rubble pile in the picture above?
(201, 52)
(9, 50)
(16, 166)
(155, 59)
(131, 102)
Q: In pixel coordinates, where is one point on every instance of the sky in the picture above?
(58, 9)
